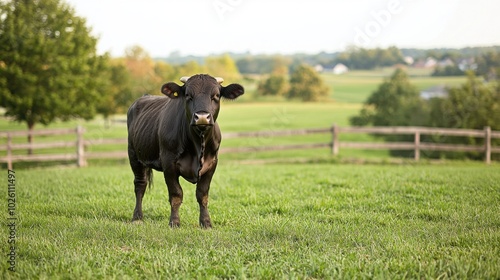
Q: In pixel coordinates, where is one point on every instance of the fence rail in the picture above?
(81, 155)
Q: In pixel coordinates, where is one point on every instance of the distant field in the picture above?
(285, 221)
(356, 86)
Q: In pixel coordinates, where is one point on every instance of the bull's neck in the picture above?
(200, 139)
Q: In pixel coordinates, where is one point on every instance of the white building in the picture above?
(340, 69)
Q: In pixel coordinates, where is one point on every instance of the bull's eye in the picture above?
(216, 97)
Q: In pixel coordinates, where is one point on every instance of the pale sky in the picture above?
(202, 27)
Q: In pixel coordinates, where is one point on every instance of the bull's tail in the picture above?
(149, 175)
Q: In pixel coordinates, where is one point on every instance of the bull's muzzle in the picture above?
(202, 119)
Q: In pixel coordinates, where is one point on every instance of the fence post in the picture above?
(417, 145)
(80, 147)
(487, 144)
(9, 151)
(335, 140)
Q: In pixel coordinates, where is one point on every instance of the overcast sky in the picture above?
(202, 27)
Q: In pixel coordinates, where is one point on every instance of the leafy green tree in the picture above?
(396, 102)
(263, 64)
(223, 66)
(166, 72)
(49, 68)
(449, 70)
(473, 105)
(488, 65)
(142, 71)
(190, 68)
(307, 85)
(274, 85)
(119, 94)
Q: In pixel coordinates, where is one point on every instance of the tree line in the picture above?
(397, 102)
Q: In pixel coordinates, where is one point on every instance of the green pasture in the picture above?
(274, 221)
(356, 86)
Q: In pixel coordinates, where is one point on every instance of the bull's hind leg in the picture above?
(141, 178)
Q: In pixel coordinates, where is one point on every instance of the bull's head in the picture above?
(202, 95)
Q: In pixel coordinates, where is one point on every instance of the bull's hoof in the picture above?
(206, 224)
(137, 222)
(174, 223)
(137, 216)
(136, 219)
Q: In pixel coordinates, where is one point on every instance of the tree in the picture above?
(223, 66)
(119, 93)
(473, 105)
(166, 72)
(488, 65)
(142, 71)
(274, 85)
(49, 68)
(189, 68)
(307, 85)
(396, 102)
(449, 70)
(360, 58)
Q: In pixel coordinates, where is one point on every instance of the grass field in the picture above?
(300, 221)
(318, 219)
(356, 86)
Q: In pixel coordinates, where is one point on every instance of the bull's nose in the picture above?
(202, 118)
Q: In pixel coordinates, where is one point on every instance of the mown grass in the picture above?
(289, 221)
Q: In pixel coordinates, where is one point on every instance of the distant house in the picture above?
(430, 62)
(427, 63)
(409, 60)
(446, 62)
(340, 69)
(467, 64)
(438, 91)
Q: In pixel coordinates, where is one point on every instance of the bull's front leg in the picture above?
(175, 196)
(202, 189)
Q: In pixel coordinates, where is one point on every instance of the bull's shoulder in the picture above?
(150, 102)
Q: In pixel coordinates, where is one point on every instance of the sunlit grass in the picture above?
(270, 222)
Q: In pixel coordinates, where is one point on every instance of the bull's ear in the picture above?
(232, 91)
(171, 90)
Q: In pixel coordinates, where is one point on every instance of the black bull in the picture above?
(179, 136)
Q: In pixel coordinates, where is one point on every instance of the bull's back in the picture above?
(143, 118)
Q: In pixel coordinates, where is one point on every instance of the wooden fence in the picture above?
(81, 154)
